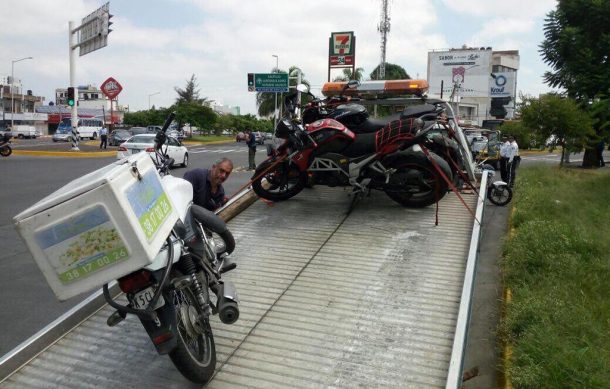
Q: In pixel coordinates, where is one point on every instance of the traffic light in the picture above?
(106, 23)
(251, 82)
(71, 100)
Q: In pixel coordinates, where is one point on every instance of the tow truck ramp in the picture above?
(328, 298)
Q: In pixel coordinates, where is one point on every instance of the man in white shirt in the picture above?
(513, 158)
(103, 137)
(504, 152)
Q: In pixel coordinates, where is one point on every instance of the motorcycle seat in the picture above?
(418, 110)
(374, 125)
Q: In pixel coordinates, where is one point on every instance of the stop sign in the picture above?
(111, 88)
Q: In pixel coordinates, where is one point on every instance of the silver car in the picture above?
(62, 135)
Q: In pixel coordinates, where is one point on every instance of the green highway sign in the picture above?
(268, 82)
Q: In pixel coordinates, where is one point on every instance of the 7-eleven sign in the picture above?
(342, 43)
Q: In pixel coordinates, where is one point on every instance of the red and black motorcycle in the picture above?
(391, 158)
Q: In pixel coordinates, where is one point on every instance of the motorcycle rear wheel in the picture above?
(284, 181)
(500, 195)
(195, 354)
(5, 151)
(419, 182)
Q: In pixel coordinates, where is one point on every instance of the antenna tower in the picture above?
(384, 29)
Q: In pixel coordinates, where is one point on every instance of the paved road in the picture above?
(27, 304)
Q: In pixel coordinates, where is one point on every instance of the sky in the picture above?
(156, 45)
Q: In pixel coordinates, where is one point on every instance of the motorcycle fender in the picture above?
(499, 183)
(439, 161)
(167, 320)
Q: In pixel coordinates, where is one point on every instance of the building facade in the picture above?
(476, 80)
(19, 106)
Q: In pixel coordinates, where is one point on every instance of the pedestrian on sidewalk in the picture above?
(251, 142)
(103, 138)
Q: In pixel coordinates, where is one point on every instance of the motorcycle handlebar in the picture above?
(160, 138)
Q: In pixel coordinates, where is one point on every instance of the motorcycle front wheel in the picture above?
(283, 181)
(5, 151)
(415, 183)
(195, 354)
(500, 194)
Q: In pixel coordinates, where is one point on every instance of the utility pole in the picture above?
(384, 29)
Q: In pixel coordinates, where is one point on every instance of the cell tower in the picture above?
(384, 29)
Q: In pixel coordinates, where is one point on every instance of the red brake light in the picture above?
(150, 149)
(135, 281)
(121, 148)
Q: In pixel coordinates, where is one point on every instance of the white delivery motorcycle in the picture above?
(175, 296)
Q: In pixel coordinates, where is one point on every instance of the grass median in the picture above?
(557, 266)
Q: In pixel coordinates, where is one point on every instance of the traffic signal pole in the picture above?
(74, 115)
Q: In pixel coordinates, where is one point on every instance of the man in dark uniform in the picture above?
(207, 184)
(251, 141)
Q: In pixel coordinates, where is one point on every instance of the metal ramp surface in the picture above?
(327, 299)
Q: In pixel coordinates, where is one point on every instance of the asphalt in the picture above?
(482, 363)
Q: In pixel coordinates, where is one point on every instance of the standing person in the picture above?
(103, 137)
(514, 159)
(207, 184)
(600, 154)
(251, 142)
(504, 150)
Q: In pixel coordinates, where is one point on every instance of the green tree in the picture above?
(349, 75)
(392, 72)
(265, 101)
(554, 116)
(195, 114)
(577, 47)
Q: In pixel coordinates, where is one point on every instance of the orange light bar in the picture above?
(384, 87)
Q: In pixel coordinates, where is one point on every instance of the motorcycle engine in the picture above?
(330, 169)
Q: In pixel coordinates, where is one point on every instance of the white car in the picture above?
(146, 143)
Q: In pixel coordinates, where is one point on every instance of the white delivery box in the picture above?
(99, 227)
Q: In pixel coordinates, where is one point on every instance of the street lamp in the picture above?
(12, 93)
(152, 94)
(277, 69)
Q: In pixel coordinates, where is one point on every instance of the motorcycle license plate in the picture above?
(135, 151)
(141, 299)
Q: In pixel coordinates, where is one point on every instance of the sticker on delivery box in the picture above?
(149, 202)
(82, 245)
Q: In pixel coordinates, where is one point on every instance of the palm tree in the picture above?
(349, 75)
(265, 101)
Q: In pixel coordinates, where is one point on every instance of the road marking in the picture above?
(222, 151)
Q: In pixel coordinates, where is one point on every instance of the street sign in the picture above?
(268, 82)
(111, 88)
(94, 29)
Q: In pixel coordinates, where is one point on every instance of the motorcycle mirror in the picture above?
(352, 84)
(303, 88)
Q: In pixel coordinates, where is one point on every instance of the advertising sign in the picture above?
(111, 88)
(469, 69)
(342, 49)
(503, 84)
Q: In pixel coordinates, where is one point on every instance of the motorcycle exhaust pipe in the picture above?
(228, 311)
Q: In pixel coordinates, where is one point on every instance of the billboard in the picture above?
(503, 84)
(341, 49)
(469, 68)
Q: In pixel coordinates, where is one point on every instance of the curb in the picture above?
(81, 154)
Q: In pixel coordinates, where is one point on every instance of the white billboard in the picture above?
(503, 84)
(469, 69)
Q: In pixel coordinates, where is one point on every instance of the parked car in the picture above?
(146, 143)
(153, 129)
(176, 134)
(117, 137)
(62, 135)
(138, 130)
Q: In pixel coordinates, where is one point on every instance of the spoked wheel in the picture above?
(195, 354)
(5, 151)
(500, 194)
(416, 183)
(284, 181)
